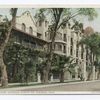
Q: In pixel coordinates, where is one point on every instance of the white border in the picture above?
(50, 2)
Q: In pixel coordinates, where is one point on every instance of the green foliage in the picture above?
(60, 63)
(21, 63)
(92, 42)
(3, 30)
(90, 12)
(40, 16)
(77, 26)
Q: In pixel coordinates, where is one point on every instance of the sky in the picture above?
(95, 24)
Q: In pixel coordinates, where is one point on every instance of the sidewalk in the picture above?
(42, 86)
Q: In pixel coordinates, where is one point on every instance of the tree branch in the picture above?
(69, 18)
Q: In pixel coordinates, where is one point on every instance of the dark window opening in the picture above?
(76, 61)
(77, 48)
(46, 23)
(72, 41)
(23, 27)
(64, 49)
(82, 52)
(30, 30)
(71, 50)
(39, 35)
(65, 38)
(73, 76)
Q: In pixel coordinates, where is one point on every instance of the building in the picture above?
(35, 35)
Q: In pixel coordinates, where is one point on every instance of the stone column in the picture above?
(93, 57)
(38, 78)
(96, 75)
(84, 71)
(93, 73)
(84, 64)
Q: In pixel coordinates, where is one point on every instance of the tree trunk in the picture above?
(62, 76)
(98, 75)
(92, 65)
(4, 77)
(48, 64)
(89, 76)
(44, 76)
(53, 31)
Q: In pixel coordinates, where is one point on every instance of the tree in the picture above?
(20, 62)
(60, 17)
(97, 67)
(92, 43)
(61, 64)
(4, 77)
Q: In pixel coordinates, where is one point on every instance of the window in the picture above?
(82, 51)
(30, 30)
(71, 50)
(77, 48)
(45, 34)
(64, 38)
(73, 76)
(50, 36)
(60, 47)
(64, 49)
(46, 23)
(55, 75)
(23, 27)
(39, 35)
(87, 53)
(76, 61)
(71, 41)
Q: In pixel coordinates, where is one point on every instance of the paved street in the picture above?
(86, 86)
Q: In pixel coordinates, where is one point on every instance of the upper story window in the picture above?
(23, 27)
(60, 47)
(77, 49)
(64, 49)
(46, 23)
(39, 35)
(71, 41)
(30, 30)
(82, 51)
(64, 37)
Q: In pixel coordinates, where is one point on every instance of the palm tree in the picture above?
(61, 64)
(4, 77)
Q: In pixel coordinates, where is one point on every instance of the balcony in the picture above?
(58, 41)
(59, 52)
(28, 40)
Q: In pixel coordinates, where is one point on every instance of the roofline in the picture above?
(14, 28)
(30, 16)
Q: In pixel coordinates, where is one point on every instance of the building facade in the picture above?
(35, 34)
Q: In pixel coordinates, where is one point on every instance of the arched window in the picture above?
(30, 30)
(23, 27)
